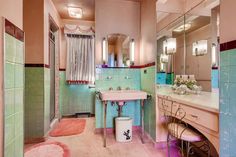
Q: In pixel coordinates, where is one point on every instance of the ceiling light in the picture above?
(75, 12)
(162, 1)
(181, 28)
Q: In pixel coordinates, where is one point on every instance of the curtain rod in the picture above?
(80, 35)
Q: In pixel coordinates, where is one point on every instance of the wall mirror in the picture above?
(170, 48)
(202, 44)
(189, 45)
(118, 50)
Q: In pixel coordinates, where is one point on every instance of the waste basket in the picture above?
(123, 129)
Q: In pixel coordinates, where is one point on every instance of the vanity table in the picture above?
(202, 111)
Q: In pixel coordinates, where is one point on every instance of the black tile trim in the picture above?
(37, 65)
(14, 31)
(228, 46)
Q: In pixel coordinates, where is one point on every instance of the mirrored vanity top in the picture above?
(205, 100)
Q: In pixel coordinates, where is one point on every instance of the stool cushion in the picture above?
(182, 132)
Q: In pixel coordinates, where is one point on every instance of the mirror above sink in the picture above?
(118, 50)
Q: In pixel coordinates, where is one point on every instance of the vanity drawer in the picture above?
(204, 118)
(168, 106)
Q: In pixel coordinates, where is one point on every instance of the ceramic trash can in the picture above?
(123, 129)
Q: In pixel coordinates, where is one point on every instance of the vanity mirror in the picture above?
(202, 44)
(189, 45)
(170, 46)
(118, 50)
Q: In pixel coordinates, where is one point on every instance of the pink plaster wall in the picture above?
(36, 26)
(113, 16)
(148, 32)
(227, 21)
(33, 27)
(13, 11)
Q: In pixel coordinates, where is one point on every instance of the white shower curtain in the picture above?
(80, 66)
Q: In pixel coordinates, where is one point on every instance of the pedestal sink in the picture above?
(121, 96)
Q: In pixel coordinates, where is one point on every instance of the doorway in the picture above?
(52, 62)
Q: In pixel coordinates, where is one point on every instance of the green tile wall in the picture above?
(34, 102)
(37, 102)
(227, 103)
(75, 98)
(148, 85)
(13, 97)
(46, 99)
(132, 109)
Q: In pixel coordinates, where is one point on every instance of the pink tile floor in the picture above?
(89, 144)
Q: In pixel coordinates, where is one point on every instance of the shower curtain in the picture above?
(80, 66)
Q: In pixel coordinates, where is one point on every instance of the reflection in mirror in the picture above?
(120, 50)
(169, 45)
(202, 44)
(189, 45)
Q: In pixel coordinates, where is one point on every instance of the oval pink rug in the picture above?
(48, 149)
(68, 126)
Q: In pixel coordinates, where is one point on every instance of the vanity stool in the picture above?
(178, 129)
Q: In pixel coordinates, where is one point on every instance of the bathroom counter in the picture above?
(205, 100)
(201, 111)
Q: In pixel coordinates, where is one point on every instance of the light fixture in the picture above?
(132, 51)
(162, 67)
(181, 28)
(75, 12)
(164, 58)
(169, 46)
(214, 55)
(104, 51)
(162, 1)
(200, 48)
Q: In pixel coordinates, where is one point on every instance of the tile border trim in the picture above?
(37, 65)
(228, 45)
(14, 31)
(131, 67)
(143, 66)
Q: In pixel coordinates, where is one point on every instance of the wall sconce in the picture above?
(214, 55)
(104, 51)
(164, 58)
(162, 67)
(200, 48)
(132, 51)
(169, 46)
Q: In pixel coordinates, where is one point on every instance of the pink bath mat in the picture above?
(48, 149)
(68, 126)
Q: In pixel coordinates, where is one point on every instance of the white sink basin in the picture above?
(123, 95)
